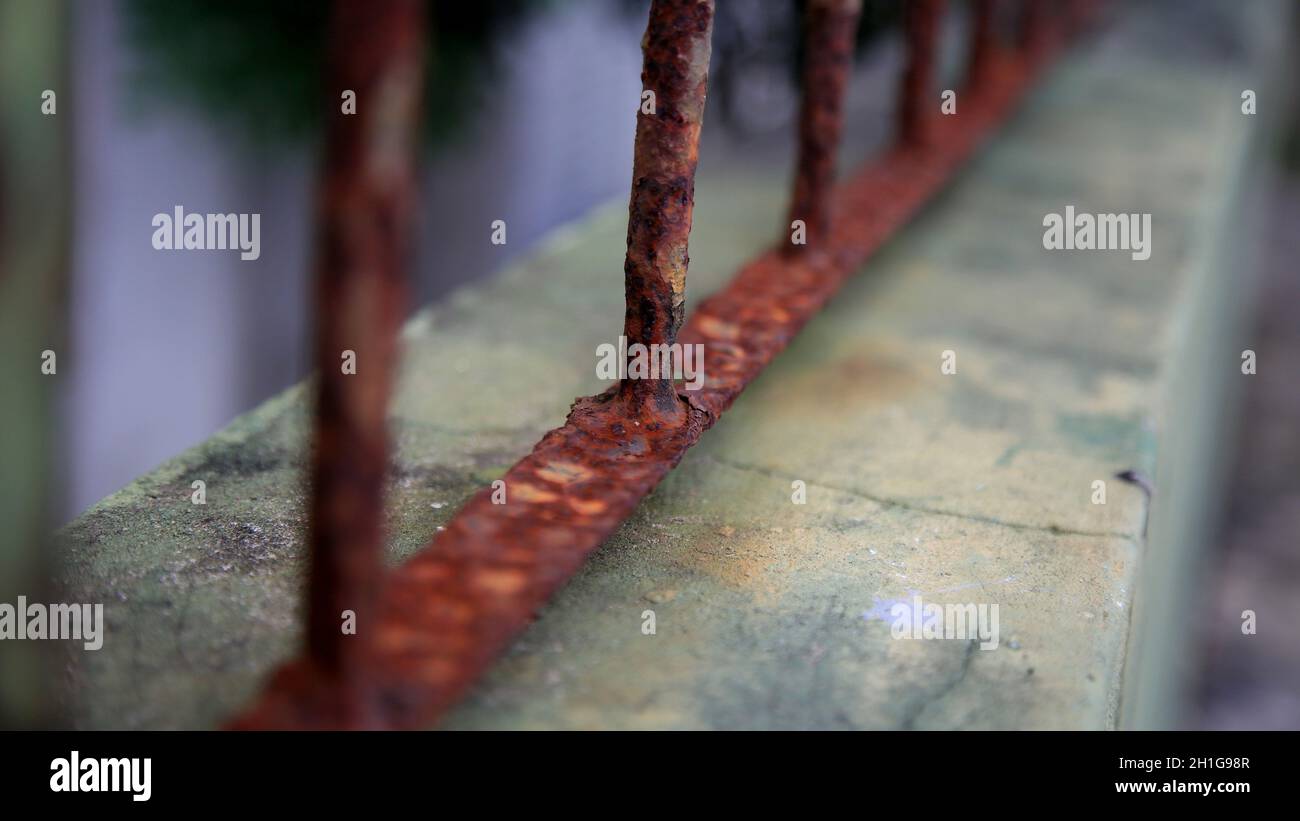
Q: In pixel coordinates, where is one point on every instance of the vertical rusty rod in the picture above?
(448, 611)
(1035, 30)
(363, 223)
(829, 27)
(1079, 14)
(676, 48)
(983, 42)
(916, 95)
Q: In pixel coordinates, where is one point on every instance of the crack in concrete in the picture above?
(918, 707)
(887, 502)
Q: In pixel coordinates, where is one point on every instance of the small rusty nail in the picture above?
(829, 27)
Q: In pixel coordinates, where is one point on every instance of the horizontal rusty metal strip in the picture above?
(446, 614)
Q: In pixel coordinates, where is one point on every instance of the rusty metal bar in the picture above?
(448, 611)
(1035, 26)
(676, 47)
(916, 100)
(1079, 14)
(983, 41)
(828, 31)
(364, 229)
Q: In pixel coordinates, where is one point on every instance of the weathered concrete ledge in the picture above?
(974, 487)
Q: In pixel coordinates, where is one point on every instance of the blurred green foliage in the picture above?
(258, 65)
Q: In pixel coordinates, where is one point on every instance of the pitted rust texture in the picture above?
(828, 31)
(917, 98)
(364, 230)
(676, 48)
(451, 609)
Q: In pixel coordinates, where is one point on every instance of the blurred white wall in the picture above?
(169, 346)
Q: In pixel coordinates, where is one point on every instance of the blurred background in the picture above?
(529, 121)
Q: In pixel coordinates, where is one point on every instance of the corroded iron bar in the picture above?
(983, 42)
(828, 33)
(916, 97)
(676, 47)
(364, 209)
(1035, 25)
